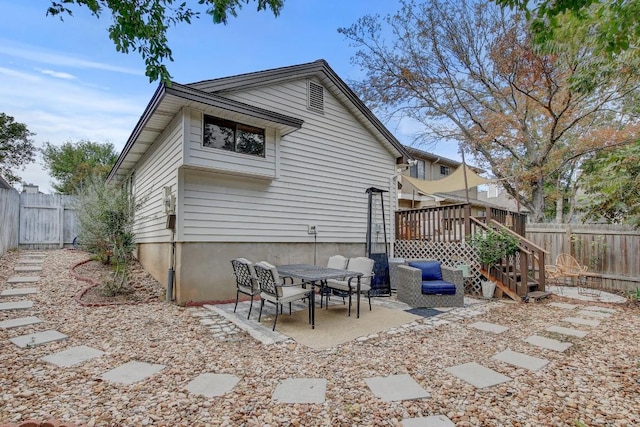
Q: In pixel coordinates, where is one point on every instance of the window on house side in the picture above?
(231, 136)
(444, 170)
(417, 170)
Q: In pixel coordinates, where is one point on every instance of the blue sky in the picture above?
(66, 81)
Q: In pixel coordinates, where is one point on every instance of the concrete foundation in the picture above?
(203, 271)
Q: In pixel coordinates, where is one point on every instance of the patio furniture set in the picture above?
(567, 271)
(420, 283)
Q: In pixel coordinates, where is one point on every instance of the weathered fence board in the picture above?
(9, 212)
(612, 251)
(46, 221)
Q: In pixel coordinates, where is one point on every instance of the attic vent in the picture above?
(315, 97)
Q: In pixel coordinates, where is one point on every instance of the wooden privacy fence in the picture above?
(9, 213)
(46, 221)
(610, 251)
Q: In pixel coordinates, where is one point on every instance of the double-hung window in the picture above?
(231, 136)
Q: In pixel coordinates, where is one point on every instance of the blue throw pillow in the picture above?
(430, 269)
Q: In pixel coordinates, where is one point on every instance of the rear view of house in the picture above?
(271, 165)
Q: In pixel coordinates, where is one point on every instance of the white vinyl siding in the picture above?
(324, 170)
(227, 161)
(155, 170)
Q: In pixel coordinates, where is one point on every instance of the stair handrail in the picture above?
(521, 238)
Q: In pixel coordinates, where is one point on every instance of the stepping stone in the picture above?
(132, 372)
(27, 269)
(521, 360)
(596, 314)
(38, 338)
(489, 327)
(477, 375)
(72, 356)
(18, 292)
(212, 385)
(21, 321)
(23, 279)
(567, 331)
(602, 309)
(548, 343)
(563, 305)
(431, 421)
(301, 390)
(581, 321)
(31, 261)
(17, 305)
(396, 387)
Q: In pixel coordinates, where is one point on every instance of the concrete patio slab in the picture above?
(21, 321)
(595, 314)
(212, 385)
(38, 338)
(431, 421)
(489, 327)
(23, 279)
(575, 292)
(17, 305)
(396, 387)
(548, 343)
(72, 356)
(581, 321)
(477, 375)
(563, 305)
(132, 372)
(18, 292)
(301, 390)
(521, 360)
(567, 331)
(27, 269)
(602, 309)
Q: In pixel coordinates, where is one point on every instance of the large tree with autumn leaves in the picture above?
(469, 72)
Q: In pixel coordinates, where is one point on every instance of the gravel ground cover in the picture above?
(595, 382)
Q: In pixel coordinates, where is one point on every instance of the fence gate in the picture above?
(46, 221)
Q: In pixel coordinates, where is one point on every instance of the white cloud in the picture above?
(57, 74)
(36, 54)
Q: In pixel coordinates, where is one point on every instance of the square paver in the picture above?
(567, 331)
(27, 269)
(581, 321)
(489, 327)
(521, 360)
(396, 387)
(39, 338)
(132, 372)
(16, 305)
(72, 356)
(23, 279)
(301, 390)
(431, 421)
(595, 314)
(212, 385)
(563, 305)
(548, 343)
(18, 292)
(21, 321)
(477, 375)
(602, 309)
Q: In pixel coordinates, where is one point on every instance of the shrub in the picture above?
(493, 245)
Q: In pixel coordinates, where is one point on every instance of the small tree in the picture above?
(16, 147)
(105, 216)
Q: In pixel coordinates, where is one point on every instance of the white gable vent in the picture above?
(315, 97)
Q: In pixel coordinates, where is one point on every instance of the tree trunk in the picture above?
(559, 208)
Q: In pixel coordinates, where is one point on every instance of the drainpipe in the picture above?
(171, 272)
(393, 192)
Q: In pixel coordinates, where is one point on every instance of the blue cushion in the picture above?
(430, 269)
(438, 287)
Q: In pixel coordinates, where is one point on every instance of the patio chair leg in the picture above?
(349, 304)
(261, 305)
(250, 307)
(237, 296)
(276, 319)
(369, 296)
(289, 309)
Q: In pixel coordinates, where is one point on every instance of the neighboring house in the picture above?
(431, 167)
(249, 164)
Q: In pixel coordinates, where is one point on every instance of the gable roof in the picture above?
(169, 99)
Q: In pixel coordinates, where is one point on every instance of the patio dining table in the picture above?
(314, 275)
